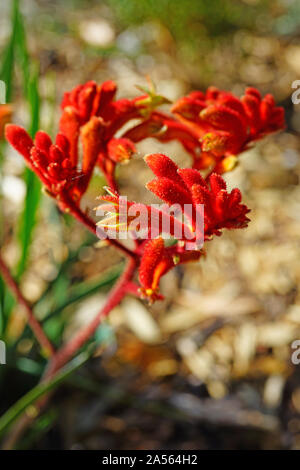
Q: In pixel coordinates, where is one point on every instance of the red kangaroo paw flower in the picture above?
(81, 98)
(42, 141)
(272, 117)
(169, 191)
(120, 150)
(156, 261)
(163, 166)
(188, 187)
(86, 100)
(232, 102)
(221, 209)
(90, 100)
(51, 162)
(190, 176)
(178, 186)
(69, 125)
(254, 92)
(104, 97)
(140, 220)
(152, 267)
(252, 108)
(189, 107)
(224, 118)
(20, 140)
(91, 136)
(220, 143)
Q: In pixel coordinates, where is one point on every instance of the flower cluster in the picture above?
(185, 188)
(90, 118)
(90, 111)
(227, 125)
(214, 127)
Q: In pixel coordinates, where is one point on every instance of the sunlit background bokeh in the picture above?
(210, 366)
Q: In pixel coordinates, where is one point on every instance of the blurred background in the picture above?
(210, 366)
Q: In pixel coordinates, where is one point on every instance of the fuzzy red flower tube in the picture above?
(90, 106)
(50, 161)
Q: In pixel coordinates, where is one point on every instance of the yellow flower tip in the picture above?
(229, 163)
(150, 294)
(101, 244)
(176, 259)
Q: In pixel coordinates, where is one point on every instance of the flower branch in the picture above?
(45, 343)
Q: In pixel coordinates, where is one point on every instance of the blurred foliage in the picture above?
(190, 19)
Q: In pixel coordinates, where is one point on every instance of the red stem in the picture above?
(133, 288)
(114, 298)
(32, 321)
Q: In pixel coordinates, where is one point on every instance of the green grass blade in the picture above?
(33, 185)
(6, 72)
(28, 217)
(7, 75)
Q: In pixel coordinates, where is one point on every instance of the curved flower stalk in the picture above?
(227, 125)
(165, 129)
(187, 189)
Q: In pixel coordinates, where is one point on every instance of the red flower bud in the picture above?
(51, 162)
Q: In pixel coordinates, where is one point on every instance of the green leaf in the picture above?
(28, 217)
(29, 366)
(6, 73)
(33, 185)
